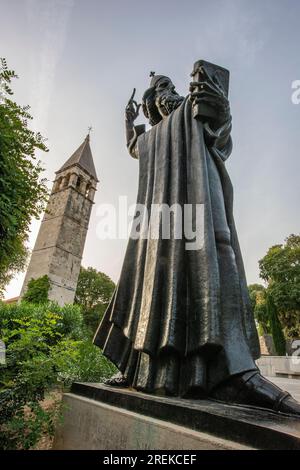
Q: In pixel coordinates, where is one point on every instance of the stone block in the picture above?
(92, 425)
(101, 417)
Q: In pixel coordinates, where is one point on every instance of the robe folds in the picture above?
(180, 320)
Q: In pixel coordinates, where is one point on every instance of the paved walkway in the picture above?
(290, 385)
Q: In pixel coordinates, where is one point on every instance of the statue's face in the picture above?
(166, 97)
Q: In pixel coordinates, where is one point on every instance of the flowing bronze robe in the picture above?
(181, 321)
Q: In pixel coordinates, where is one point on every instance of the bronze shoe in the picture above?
(252, 389)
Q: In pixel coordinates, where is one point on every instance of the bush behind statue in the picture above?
(47, 348)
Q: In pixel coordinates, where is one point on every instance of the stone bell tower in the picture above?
(60, 242)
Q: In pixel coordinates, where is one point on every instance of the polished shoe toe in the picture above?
(251, 388)
(289, 406)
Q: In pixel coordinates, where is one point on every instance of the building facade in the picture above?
(59, 246)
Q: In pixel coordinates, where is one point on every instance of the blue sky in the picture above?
(78, 61)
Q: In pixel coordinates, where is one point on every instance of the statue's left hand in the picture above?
(211, 92)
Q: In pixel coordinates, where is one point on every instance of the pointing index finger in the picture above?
(132, 96)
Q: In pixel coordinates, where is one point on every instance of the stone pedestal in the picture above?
(279, 366)
(101, 417)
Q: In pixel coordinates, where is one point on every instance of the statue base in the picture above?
(98, 417)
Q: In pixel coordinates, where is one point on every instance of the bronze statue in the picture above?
(180, 321)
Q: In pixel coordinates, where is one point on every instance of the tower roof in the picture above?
(83, 158)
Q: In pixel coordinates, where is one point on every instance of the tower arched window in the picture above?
(57, 184)
(67, 180)
(87, 189)
(78, 183)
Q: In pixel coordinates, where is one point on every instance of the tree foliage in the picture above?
(275, 326)
(37, 290)
(280, 268)
(257, 294)
(46, 347)
(93, 293)
(254, 289)
(22, 191)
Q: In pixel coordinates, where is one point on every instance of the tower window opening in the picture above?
(87, 190)
(58, 183)
(78, 183)
(67, 180)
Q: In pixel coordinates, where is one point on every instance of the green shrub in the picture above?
(81, 361)
(276, 328)
(46, 348)
(93, 293)
(37, 290)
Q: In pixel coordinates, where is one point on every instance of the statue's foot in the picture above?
(251, 388)
(117, 380)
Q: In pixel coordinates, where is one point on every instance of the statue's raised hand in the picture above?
(132, 109)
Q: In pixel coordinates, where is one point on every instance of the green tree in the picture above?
(22, 191)
(257, 294)
(280, 268)
(254, 289)
(46, 350)
(275, 325)
(93, 293)
(37, 290)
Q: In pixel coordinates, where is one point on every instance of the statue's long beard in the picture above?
(167, 103)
